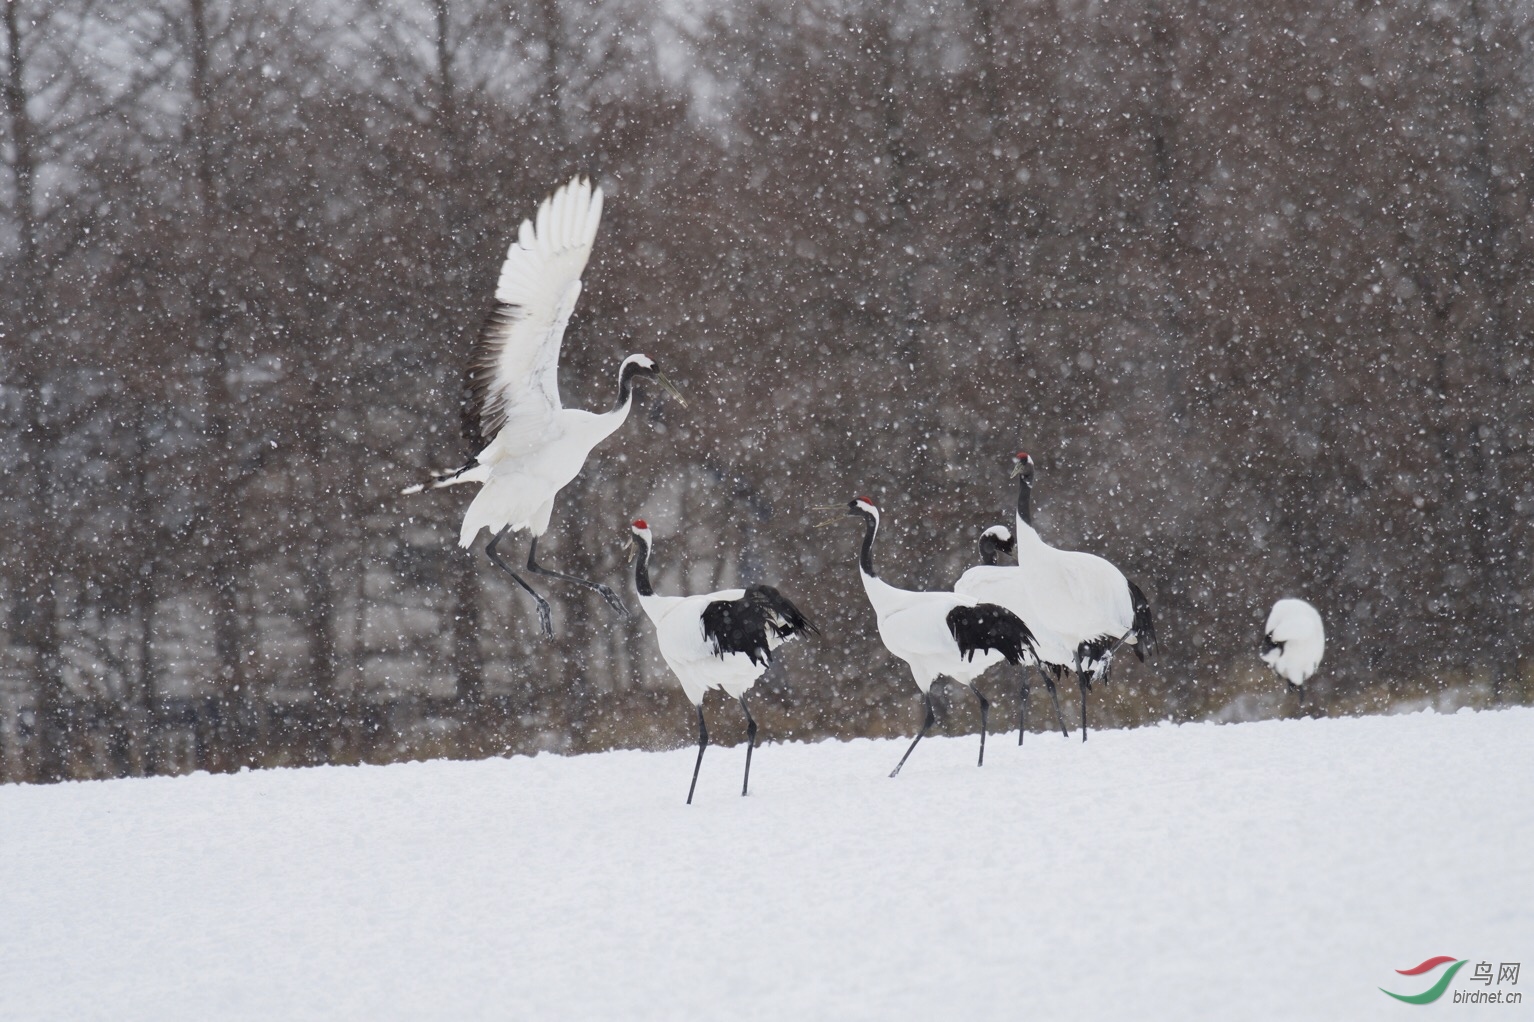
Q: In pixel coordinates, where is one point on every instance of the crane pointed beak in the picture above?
(1017, 470)
(670, 388)
(840, 513)
(630, 550)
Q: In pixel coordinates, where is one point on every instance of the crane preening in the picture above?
(1293, 641)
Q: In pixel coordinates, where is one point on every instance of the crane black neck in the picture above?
(642, 568)
(1024, 492)
(866, 558)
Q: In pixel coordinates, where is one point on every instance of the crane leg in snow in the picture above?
(1054, 697)
(544, 622)
(702, 744)
(931, 719)
(1022, 709)
(606, 593)
(985, 706)
(750, 745)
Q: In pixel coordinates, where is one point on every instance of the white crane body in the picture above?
(522, 481)
(938, 634)
(1007, 585)
(687, 651)
(913, 626)
(1081, 602)
(1294, 641)
(1077, 597)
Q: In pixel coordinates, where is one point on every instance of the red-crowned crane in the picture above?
(1293, 641)
(1082, 599)
(527, 446)
(1009, 586)
(938, 634)
(718, 640)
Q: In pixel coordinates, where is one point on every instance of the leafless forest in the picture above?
(1251, 282)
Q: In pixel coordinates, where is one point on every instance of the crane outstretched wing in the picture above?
(513, 378)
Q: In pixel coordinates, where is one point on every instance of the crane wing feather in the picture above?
(513, 379)
(753, 624)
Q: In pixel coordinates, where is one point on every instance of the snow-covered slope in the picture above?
(1280, 869)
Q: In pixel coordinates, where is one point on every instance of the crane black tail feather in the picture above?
(753, 624)
(1144, 626)
(987, 626)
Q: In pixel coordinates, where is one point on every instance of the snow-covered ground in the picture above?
(1279, 869)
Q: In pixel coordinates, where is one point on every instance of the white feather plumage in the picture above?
(913, 625)
(1297, 638)
(678, 622)
(1074, 597)
(921, 628)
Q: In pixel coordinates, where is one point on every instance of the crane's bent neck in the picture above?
(625, 391)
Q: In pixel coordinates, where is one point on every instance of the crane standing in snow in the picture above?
(527, 445)
(938, 634)
(1293, 641)
(1010, 586)
(718, 640)
(1082, 598)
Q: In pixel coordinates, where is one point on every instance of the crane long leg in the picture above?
(702, 744)
(1086, 684)
(607, 594)
(931, 719)
(985, 706)
(544, 621)
(1022, 710)
(1054, 697)
(750, 745)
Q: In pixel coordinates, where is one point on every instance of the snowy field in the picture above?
(1271, 870)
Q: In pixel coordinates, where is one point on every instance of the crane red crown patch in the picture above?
(639, 524)
(868, 501)
(1022, 455)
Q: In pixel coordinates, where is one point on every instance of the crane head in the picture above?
(1022, 464)
(644, 365)
(639, 537)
